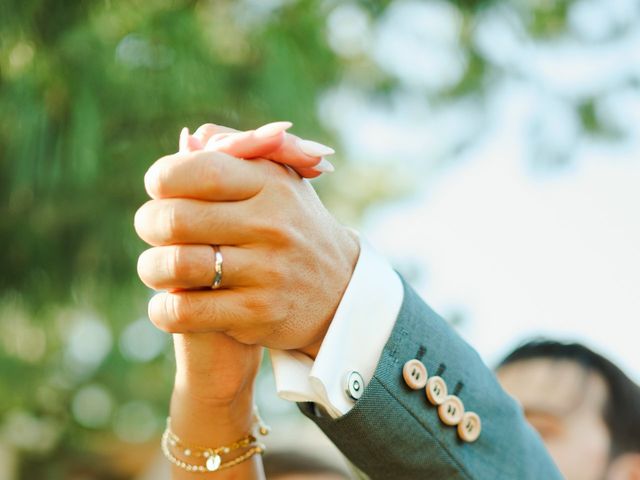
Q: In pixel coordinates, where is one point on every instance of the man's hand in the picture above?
(287, 261)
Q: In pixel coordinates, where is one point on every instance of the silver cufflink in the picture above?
(354, 385)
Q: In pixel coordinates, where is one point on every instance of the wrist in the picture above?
(211, 396)
(207, 436)
(203, 420)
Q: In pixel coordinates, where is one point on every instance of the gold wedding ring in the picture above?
(217, 279)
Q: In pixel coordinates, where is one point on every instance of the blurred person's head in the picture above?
(294, 465)
(586, 409)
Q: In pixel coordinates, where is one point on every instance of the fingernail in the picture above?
(314, 149)
(183, 143)
(325, 166)
(272, 129)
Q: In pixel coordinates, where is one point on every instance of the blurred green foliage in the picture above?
(92, 92)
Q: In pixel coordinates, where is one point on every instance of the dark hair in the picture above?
(622, 410)
(288, 462)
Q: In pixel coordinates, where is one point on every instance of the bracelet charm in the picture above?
(213, 461)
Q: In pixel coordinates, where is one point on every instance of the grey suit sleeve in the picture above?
(393, 432)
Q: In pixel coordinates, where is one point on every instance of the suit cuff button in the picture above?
(469, 427)
(415, 374)
(451, 410)
(437, 390)
(354, 385)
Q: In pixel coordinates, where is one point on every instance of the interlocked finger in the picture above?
(302, 155)
(199, 310)
(178, 267)
(214, 176)
(175, 221)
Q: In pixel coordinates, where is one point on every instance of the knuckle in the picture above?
(273, 230)
(266, 230)
(180, 309)
(161, 222)
(180, 266)
(214, 173)
(255, 304)
(171, 222)
(206, 130)
(157, 313)
(276, 277)
(283, 185)
(155, 178)
(167, 327)
(161, 183)
(273, 273)
(143, 220)
(143, 267)
(155, 321)
(260, 307)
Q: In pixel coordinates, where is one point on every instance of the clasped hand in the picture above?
(286, 264)
(287, 261)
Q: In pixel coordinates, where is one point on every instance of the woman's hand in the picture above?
(271, 141)
(215, 369)
(212, 402)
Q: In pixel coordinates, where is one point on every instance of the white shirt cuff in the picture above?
(354, 341)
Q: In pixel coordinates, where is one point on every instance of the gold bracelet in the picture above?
(196, 451)
(214, 463)
(213, 459)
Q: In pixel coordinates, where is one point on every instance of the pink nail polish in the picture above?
(324, 166)
(314, 149)
(272, 129)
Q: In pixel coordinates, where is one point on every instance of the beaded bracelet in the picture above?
(213, 460)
